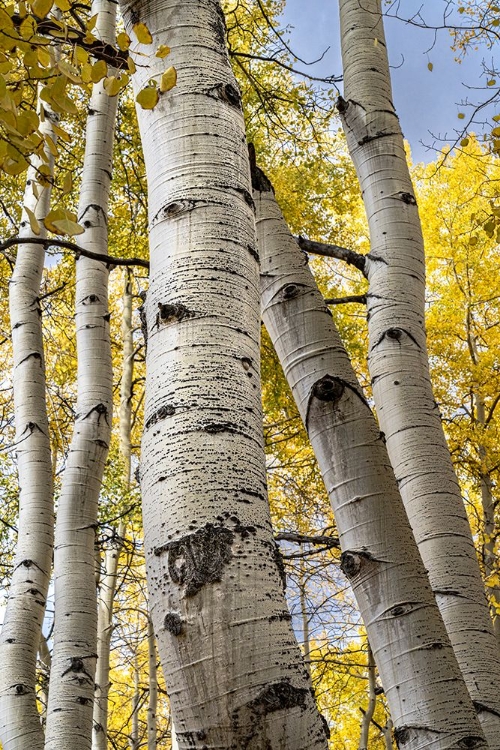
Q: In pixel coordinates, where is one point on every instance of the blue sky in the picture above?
(427, 102)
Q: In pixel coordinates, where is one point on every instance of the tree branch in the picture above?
(333, 251)
(292, 536)
(108, 259)
(360, 298)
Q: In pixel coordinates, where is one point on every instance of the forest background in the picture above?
(292, 122)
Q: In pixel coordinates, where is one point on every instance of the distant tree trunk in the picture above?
(71, 694)
(20, 725)
(426, 694)
(234, 672)
(107, 589)
(136, 698)
(153, 687)
(398, 362)
(127, 378)
(372, 702)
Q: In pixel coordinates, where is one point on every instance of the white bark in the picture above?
(69, 715)
(107, 589)
(372, 702)
(426, 694)
(127, 377)
(398, 361)
(153, 688)
(19, 719)
(234, 671)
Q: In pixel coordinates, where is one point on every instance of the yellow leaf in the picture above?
(67, 185)
(461, 116)
(42, 8)
(131, 66)
(430, 66)
(91, 23)
(66, 226)
(123, 41)
(163, 51)
(35, 226)
(168, 79)
(43, 56)
(27, 122)
(464, 142)
(495, 132)
(112, 85)
(61, 133)
(56, 214)
(142, 33)
(99, 71)
(51, 145)
(491, 82)
(86, 72)
(69, 71)
(148, 97)
(81, 55)
(15, 166)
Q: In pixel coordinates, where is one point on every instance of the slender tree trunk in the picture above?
(306, 646)
(425, 691)
(372, 702)
(153, 687)
(398, 360)
(233, 668)
(489, 555)
(69, 715)
(134, 734)
(107, 589)
(20, 725)
(127, 378)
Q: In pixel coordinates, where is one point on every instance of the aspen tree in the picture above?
(71, 690)
(232, 665)
(425, 691)
(398, 362)
(20, 725)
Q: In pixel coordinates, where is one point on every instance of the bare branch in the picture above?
(108, 259)
(332, 251)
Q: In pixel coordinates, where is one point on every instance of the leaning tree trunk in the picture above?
(233, 668)
(425, 691)
(20, 725)
(71, 693)
(398, 362)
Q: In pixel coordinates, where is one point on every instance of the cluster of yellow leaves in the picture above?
(45, 57)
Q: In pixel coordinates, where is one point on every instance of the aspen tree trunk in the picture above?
(398, 362)
(372, 702)
(71, 694)
(425, 691)
(20, 725)
(127, 377)
(490, 560)
(107, 589)
(136, 698)
(153, 688)
(233, 668)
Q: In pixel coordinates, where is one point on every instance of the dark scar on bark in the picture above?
(164, 411)
(168, 313)
(173, 623)
(199, 558)
(248, 721)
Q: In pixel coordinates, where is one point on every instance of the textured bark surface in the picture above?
(425, 691)
(71, 694)
(398, 362)
(19, 720)
(235, 675)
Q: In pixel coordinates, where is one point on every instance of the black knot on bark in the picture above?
(21, 689)
(173, 623)
(328, 388)
(290, 291)
(351, 562)
(394, 333)
(200, 558)
(471, 742)
(401, 735)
